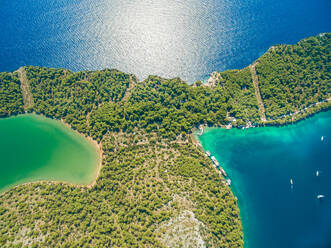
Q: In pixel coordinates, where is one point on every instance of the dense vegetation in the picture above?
(152, 169)
(294, 77)
(147, 172)
(238, 87)
(170, 107)
(11, 100)
(62, 94)
(143, 183)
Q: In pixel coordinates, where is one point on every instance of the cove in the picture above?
(261, 162)
(34, 148)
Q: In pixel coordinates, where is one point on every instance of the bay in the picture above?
(261, 162)
(34, 148)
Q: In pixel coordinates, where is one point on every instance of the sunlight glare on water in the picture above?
(156, 34)
(188, 38)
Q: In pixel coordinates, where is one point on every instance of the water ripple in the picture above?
(171, 38)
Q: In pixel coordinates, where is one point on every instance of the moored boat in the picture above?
(223, 172)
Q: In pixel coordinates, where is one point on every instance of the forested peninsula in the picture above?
(156, 187)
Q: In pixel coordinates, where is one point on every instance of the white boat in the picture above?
(320, 196)
(223, 172)
(216, 163)
(208, 153)
(291, 181)
(317, 173)
(228, 181)
(322, 138)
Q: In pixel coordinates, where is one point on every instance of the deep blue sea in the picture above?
(186, 38)
(261, 162)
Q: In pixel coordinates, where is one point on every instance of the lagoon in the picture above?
(261, 162)
(34, 148)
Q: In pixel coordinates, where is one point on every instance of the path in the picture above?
(257, 92)
(129, 89)
(27, 96)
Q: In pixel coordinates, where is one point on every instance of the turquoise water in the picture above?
(261, 162)
(37, 148)
(189, 38)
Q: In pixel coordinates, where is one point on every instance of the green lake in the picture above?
(34, 148)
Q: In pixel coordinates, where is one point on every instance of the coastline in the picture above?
(195, 132)
(97, 146)
(286, 120)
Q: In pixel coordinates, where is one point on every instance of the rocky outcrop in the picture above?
(213, 80)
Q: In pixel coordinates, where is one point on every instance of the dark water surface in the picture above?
(261, 162)
(189, 38)
(37, 148)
